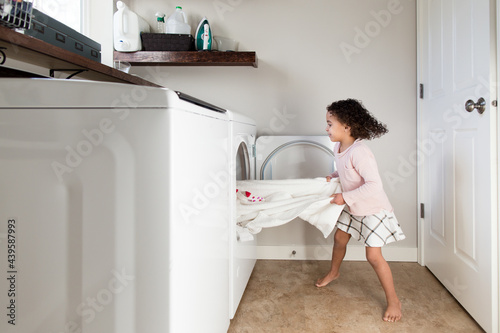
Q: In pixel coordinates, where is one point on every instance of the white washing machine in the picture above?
(112, 218)
(243, 253)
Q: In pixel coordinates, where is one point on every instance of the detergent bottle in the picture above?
(127, 29)
(177, 23)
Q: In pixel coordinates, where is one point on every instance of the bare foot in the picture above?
(393, 312)
(326, 280)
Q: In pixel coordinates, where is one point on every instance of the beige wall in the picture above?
(310, 54)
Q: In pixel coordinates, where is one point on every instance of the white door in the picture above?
(457, 184)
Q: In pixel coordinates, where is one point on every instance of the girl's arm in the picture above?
(335, 174)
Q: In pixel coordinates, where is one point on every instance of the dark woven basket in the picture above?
(167, 42)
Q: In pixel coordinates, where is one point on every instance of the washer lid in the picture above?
(58, 93)
(199, 102)
(294, 157)
(81, 94)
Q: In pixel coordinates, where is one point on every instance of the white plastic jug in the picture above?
(127, 28)
(177, 23)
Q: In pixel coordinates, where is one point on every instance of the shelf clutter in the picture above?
(171, 43)
(188, 58)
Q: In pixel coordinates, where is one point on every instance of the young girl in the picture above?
(368, 214)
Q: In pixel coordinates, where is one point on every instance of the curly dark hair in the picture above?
(352, 113)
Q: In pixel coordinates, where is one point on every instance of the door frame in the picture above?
(495, 95)
(496, 257)
(420, 169)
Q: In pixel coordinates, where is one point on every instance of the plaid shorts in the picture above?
(374, 230)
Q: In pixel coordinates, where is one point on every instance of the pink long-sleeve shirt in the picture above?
(362, 187)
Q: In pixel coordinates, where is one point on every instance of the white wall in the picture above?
(98, 25)
(312, 53)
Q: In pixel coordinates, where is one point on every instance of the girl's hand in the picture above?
(338, 199)
(328, 178)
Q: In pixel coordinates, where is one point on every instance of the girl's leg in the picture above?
(340, 240)
(381, 267)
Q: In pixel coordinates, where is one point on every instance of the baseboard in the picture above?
(318, 252)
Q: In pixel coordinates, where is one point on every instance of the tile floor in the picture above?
(281, 298)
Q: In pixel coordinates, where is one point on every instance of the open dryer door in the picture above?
(292, 157)
(243, 162)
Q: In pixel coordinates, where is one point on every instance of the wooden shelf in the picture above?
(37, 52)
(188, 58)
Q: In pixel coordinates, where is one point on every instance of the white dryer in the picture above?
(292, 157)
(271, 157)
(112, 209)
(243, 253)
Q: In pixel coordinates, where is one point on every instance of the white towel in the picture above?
(270, 203)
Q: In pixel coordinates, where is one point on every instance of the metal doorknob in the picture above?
(480, 106)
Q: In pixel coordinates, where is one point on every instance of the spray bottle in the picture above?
(160, 23)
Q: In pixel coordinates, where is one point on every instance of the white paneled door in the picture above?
(458, 150)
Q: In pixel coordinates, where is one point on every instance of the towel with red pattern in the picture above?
(270, 203)
(250, 197)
